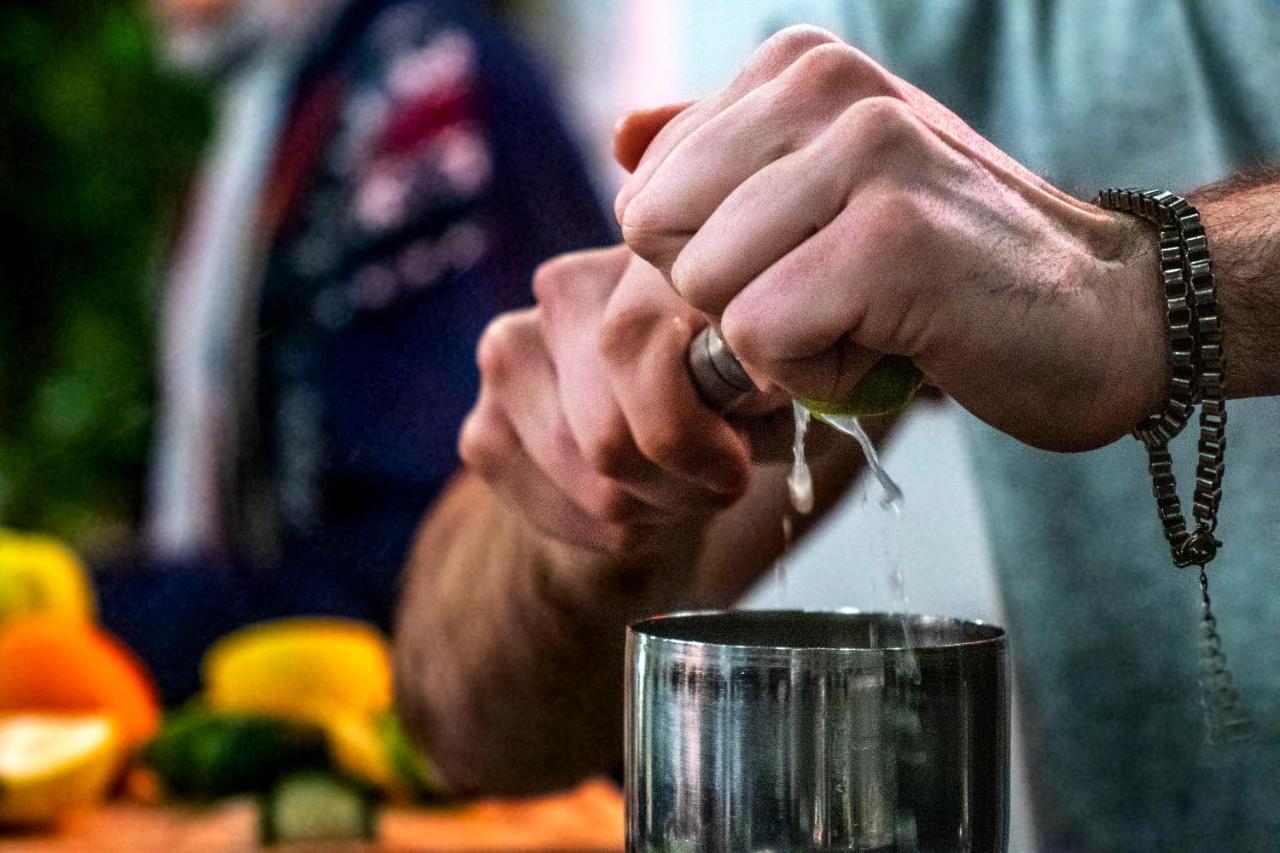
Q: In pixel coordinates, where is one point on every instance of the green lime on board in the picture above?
(887, 388)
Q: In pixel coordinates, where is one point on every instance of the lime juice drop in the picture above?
(890, 495)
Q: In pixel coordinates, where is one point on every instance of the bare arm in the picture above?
(1038, 312)
(510, 644)
(1241, 217)
(509, 648)
(859, 216)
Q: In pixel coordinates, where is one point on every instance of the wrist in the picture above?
(1141, 370)
(654, 575)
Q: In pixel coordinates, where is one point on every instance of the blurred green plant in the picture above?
(96, 146)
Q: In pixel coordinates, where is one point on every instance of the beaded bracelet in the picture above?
(1198, 366)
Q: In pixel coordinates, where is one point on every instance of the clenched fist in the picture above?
(587, 418)
(827, 212)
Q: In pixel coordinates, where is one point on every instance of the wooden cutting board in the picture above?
(588, 819)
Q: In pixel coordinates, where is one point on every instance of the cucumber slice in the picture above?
(317, 807)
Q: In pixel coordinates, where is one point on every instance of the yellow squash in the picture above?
(301, 669)
(330, 673)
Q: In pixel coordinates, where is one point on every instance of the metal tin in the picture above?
(790, 730)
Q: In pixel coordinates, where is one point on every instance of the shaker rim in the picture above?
(648, 629)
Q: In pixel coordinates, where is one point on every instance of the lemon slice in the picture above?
(49, 764)
(887, 387)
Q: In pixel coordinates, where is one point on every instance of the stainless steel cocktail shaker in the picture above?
(785, 730)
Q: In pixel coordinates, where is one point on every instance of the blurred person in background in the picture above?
(597, 483)
(383, 179)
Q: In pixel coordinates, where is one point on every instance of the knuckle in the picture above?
(745, 337)
(881, 123)
(695, 279)
(827, 67)
(787, 45)
(645, 230)
(840, 69)
(611, 503)
(564, 278)
(661, 441)
(686, 273)
(645, 214)
(609, 450)
(477, 445)
(552, 277)
(494, 350)
(911, 219)
(897, 225)
(621, 334)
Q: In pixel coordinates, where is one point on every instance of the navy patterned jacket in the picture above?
(422, 176)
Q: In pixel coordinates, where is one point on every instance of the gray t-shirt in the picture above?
(1095, 93)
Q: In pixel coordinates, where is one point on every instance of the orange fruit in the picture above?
(55, 663)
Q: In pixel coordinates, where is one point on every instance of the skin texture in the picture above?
(827, 212)
(574, 438)
(599, 489)
(1240, 216)
(823, 212)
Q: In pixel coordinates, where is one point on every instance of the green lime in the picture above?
(887, 387)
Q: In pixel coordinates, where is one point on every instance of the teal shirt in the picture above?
(1093, 93)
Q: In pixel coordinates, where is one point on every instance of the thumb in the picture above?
(635, 130)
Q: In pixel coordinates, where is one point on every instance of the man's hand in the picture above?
(827, 212)
(603, 476)
(587, 419)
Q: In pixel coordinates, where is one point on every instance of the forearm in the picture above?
(510, 647)
(1241, 217)
(507, 669)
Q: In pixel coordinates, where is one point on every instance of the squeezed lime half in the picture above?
(887, 388)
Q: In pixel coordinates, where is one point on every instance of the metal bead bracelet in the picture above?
(1198, 372)
(1195, 356)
